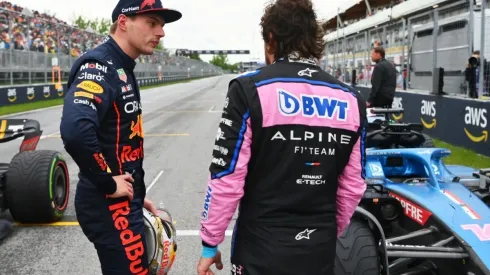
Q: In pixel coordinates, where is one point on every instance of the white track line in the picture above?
(197, 233)
(154, 181)
(47, 136)
(31, 111)
(212, 108)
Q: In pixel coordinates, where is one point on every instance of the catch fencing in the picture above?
(447, 92)
(410, 43)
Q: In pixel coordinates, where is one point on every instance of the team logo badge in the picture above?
(122, 75)
(147, 3)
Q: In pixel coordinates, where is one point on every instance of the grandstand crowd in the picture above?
(374, 10)
(23, 29)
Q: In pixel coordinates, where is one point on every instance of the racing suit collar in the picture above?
(294, 57)
(127, 62)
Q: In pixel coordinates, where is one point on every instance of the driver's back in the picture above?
(295, 133)
(290, 148)
(305, 125)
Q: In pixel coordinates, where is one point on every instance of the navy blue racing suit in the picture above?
(101, 128)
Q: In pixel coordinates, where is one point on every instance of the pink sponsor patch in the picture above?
(482, 233)
(305, 104)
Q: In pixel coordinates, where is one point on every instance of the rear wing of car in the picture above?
(386, 110)
(11, 129)
(382, 115)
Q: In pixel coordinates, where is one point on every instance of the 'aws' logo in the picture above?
(428, 109)
(397, 104)
(310, 106)
(46, 91)
(31, 93)
(12, 95)
(476, 117)
(59, 90)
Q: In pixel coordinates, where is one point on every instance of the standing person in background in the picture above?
(472, 75)
(383, 80)
(102, 130)
(297, 188)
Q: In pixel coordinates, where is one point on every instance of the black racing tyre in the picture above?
(357, 252)
(38, 187)
(428, 142)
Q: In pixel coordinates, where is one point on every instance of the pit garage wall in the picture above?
(461, 122)
(25, 94)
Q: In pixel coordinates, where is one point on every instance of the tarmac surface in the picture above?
(180, 123)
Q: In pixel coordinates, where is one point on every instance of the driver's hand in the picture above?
(148, 205)
(204, 264)
(124, 186)
(368, 104)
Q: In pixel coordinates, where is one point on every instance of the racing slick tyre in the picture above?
(428, 143)
(357, 253)
(38, 187)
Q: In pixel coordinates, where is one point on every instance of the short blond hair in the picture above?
(113, 28)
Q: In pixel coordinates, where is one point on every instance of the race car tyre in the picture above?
(357, 251)
(428, 143)
(38, 187)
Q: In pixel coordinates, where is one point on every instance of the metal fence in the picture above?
(31, 43)
(410, 43)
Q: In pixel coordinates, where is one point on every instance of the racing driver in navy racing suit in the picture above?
(101, 128)
(289, 150)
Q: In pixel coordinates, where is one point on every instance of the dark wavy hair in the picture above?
(294, 26)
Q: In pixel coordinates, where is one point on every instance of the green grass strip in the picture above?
(24, 107)
(463, 156)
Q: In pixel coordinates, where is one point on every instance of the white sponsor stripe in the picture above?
(468, 210)
(470, 213)
(451, 197)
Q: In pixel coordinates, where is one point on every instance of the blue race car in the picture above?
(386, 133)
(418, 216)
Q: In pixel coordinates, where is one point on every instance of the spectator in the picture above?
(44, 33)
(364, 75)
(399, 79)
(472, 75)
(383, 80)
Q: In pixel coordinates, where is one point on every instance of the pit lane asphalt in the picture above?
(180, 123)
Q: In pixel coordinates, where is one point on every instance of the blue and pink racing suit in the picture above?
(289, 151)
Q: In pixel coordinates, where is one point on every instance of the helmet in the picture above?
(160, 241)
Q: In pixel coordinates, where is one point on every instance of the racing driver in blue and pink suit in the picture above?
(289, 151)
